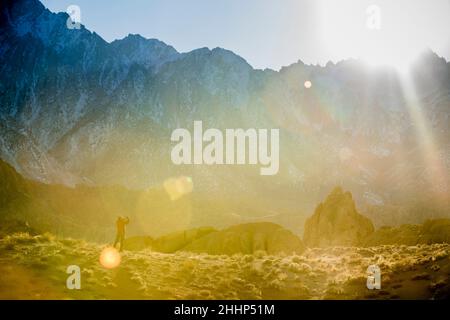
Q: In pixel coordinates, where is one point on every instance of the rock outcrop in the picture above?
(248, 239)
(431, 231)
(336, 222)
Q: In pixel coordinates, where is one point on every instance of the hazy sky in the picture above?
(275, 33)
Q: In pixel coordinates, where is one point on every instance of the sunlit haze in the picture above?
(254, 150)
(272, 34)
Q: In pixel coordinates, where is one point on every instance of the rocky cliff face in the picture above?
(336, 222)
(75, 109)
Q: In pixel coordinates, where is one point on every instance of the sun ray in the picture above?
(435, 168)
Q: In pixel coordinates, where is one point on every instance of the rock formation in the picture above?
(248, 239)
(336, 222)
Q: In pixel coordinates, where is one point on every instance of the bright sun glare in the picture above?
(385, 58)
(383, 48)
(384, 36)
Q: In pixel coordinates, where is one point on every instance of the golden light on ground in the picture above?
(110, 258)
(308, 84)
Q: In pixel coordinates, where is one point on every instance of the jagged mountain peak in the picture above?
(72, 101)
(217, 54)
(29, 18)
(134, 48)
(336, 221)
(230, 57)
(21, 15)
(21, 7)
(136, 40)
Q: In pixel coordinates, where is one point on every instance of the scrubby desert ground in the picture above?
(34, 267)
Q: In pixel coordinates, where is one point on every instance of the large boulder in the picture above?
(249, 238)
(336, 222)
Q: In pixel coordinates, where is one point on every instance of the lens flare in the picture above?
(110, 258)
(178, 187)
(308, 84)
(436, 170)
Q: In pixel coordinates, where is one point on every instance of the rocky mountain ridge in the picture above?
(75, 109)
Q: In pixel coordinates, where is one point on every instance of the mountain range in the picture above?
(82, 112)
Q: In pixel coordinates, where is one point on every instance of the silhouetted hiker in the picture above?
(120, 236)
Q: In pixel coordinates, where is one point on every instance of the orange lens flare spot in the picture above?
(110, 258)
